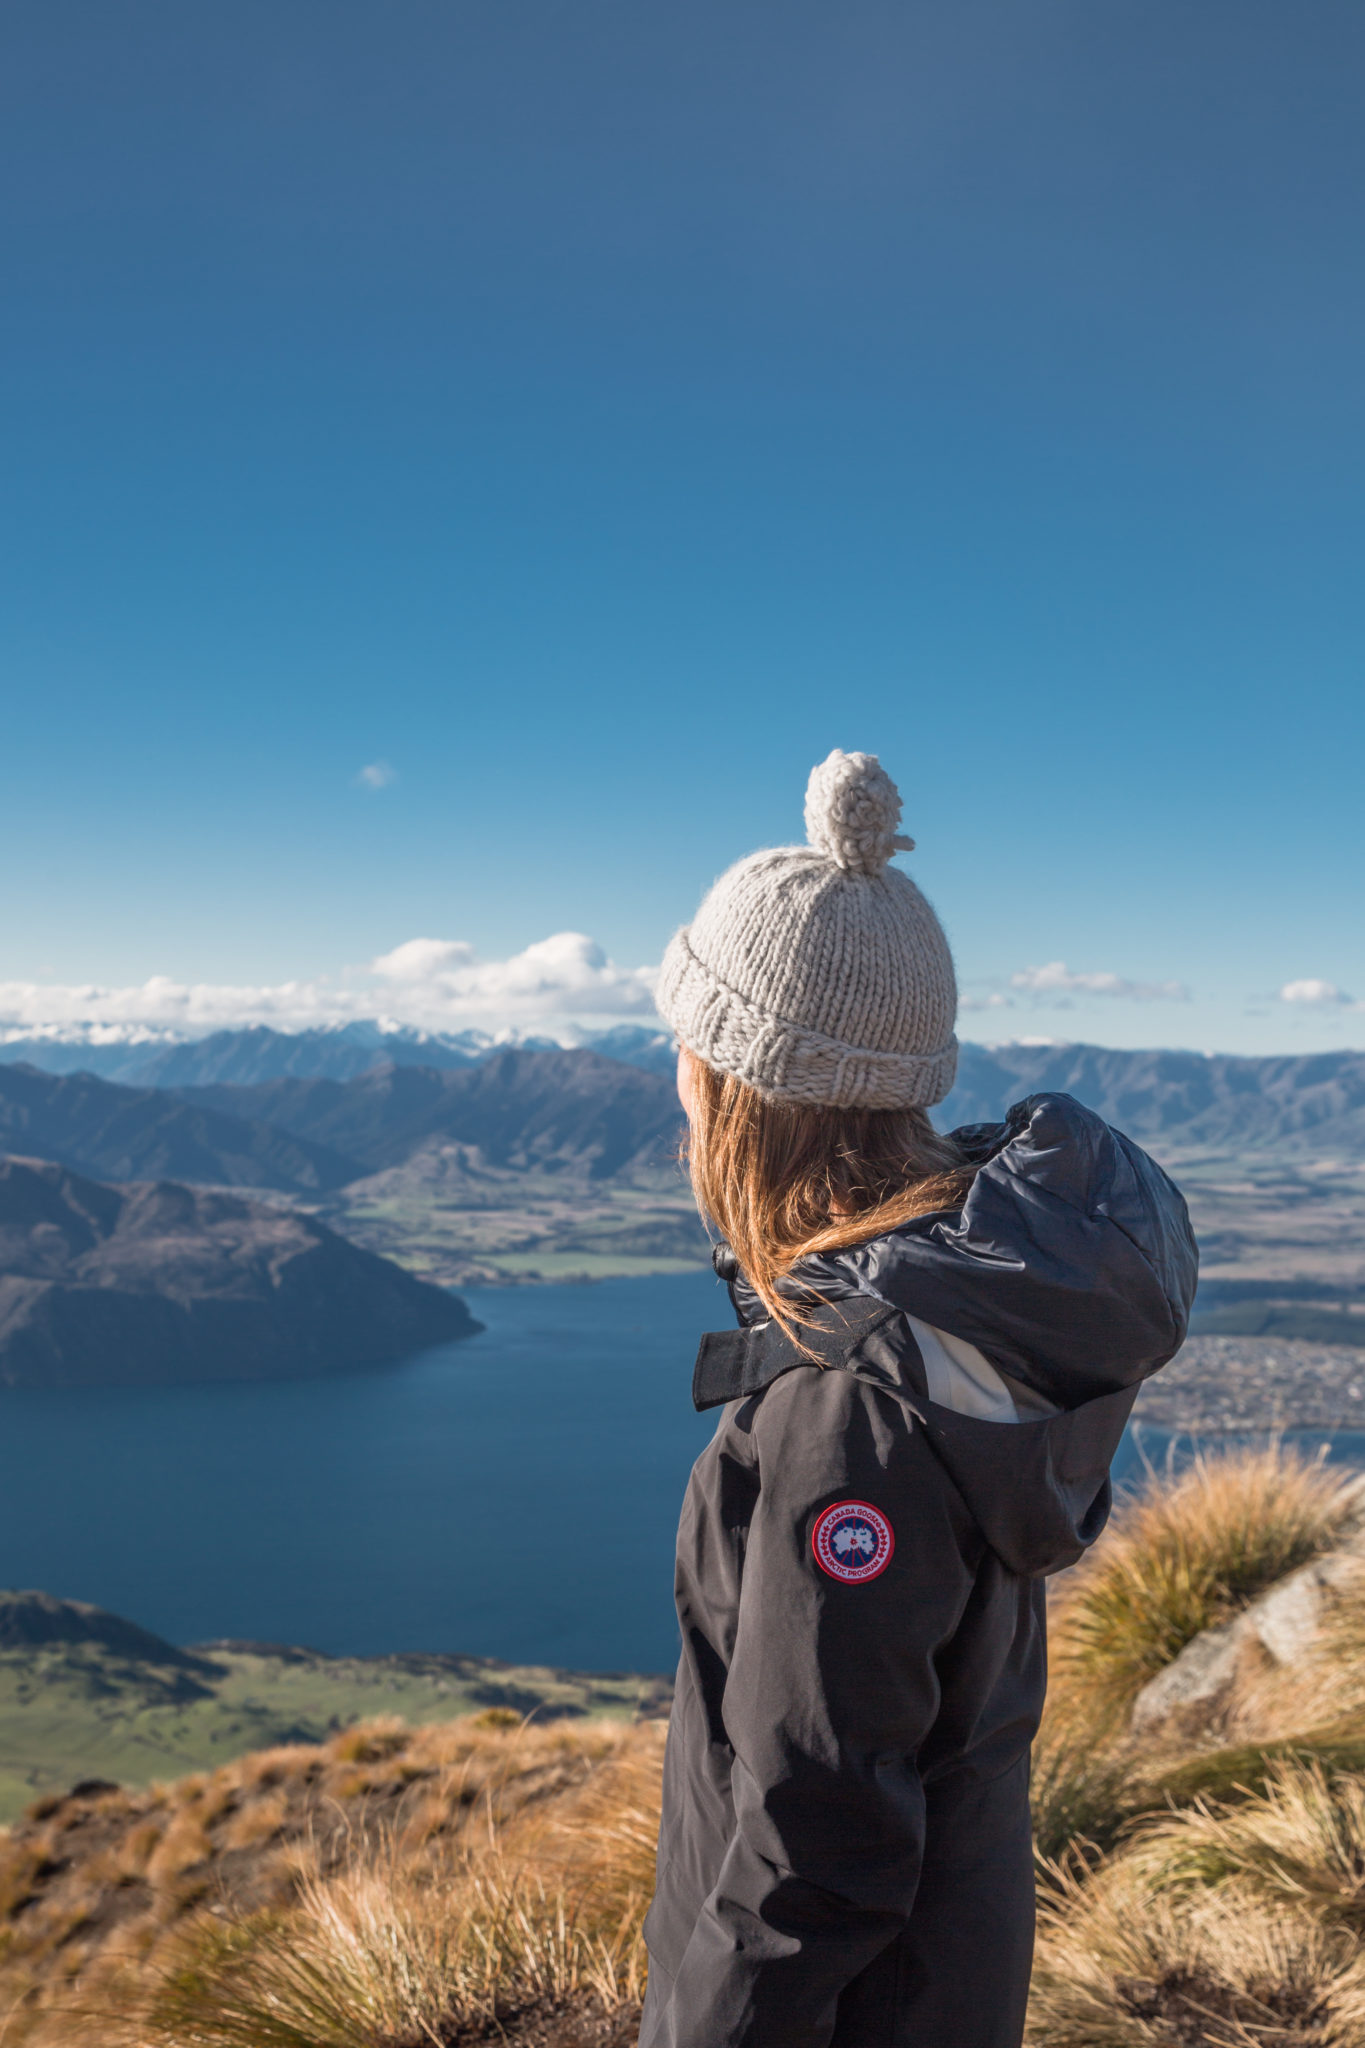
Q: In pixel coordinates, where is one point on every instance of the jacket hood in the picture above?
(1039, 1491)
(1071, 1265)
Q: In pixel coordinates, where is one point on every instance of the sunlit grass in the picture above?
(1119, 1966)
(1186, 1554)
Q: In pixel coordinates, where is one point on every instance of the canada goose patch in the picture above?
(852, 1541)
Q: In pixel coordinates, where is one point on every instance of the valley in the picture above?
(451, 1216)
(478, 1164)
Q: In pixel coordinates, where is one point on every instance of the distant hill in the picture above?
(162, 1283)
(549, 1110)
(32, 1621)
(1296, 1103)
(118, 1133)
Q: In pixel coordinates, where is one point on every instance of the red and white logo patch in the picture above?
(852, 1542)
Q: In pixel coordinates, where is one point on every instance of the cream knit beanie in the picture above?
(817, 973)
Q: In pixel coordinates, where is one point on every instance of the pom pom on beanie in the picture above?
(852, 811)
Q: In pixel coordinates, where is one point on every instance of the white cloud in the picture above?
(568, 972)
(1057, 981)
(418, 960)
(1321, 995)
(377, 775)
(430, 984)
(994, 1001)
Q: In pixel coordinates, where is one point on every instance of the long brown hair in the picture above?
(780, 1180)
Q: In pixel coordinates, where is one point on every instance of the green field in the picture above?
(453, 1219)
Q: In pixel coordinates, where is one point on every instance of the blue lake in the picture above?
(513, 1496)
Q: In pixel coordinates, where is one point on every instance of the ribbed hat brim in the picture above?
(784, 1060)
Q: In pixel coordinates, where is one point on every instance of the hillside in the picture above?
(86, 1694)
(157, 1282)
(116, 1133)
(115, 1899)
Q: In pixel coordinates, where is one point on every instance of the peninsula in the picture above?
(155, 1282)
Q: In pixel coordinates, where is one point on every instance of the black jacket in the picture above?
(844, 1855)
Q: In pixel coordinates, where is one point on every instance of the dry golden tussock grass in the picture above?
(1298, 1843)
(119, 1896)
(541, 1915)
(1232, 1922)
(1182, 1557)
(1120, 1966)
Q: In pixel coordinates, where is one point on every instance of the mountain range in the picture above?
(256, 1053)
(582, 1111)
(1294, 1103)
(119, 1133)
(542, 1162)
(553, 1110)
(530, 1110)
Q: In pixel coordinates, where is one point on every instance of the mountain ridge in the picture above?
(1288, 1101)
(113, 1132)
(521, 1107)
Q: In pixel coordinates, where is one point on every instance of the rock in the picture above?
(1190, 1687)
(1278, 1628)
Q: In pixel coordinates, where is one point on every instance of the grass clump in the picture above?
(539, 1914)
(1121, 1967)
(377, 1955)
(1183, 1557)
(1297, 1844)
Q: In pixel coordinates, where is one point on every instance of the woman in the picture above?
(939, 1342)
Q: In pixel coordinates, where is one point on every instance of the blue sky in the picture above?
(597, 412)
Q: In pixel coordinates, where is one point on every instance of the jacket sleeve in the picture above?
(831, 1690)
